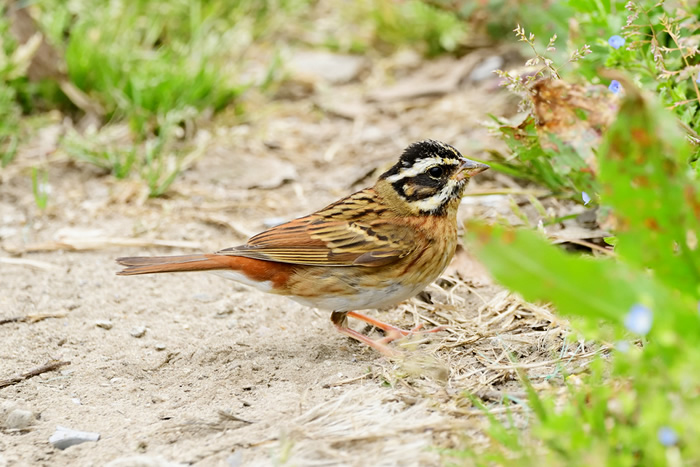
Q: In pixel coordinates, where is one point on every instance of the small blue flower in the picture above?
(586, 199)
(639, 319)
(697, 80)
(616, 41)
(622, 346)
(615, 86)
(667, 436)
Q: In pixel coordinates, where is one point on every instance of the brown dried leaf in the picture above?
(573, 114)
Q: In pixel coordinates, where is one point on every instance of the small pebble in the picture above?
(65, 437)
(104, 324)
(203, 297)
(6, 232)
(19, 419)
(484, 70)
(160, 347)
(138, 331)
(6, 407)
(235, 459)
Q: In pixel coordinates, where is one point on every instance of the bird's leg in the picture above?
(392, 332)
(340, 320)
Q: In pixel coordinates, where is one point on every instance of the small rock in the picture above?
(235, 459)
(104, 324)
(19, 419)
(485, 69)
(65, 437)
(160, 347)
(326, 66)
(138, 331)
(251, 170)
(6, 232)
(6, 407)
(407, 58)
(203, 297)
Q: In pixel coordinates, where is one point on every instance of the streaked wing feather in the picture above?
(378, 258)
(329, 238)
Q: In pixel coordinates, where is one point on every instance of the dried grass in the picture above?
(364, 423)
(427, 402)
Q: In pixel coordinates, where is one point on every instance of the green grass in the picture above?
(40, 188)
(157, 65)
(13, 63)
(386, 26)
(146, 60)
(418, 24)
(152, 64)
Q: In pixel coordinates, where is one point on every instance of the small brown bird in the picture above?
(376, 247)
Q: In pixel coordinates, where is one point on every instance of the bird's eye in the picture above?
(435, 172)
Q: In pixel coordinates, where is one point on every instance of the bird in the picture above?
(372, 249)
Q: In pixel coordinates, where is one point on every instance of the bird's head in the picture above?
(431, 176)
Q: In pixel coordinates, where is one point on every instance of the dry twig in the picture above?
(50, 366)
(31, 318)
(32, 263)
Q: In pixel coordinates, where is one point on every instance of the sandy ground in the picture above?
(194, 369)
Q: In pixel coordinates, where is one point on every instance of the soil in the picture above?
(192, 369)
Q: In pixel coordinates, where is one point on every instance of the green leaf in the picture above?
(557, 164)
(525, 262)
(655, 198)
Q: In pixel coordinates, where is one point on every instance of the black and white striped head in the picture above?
(430, 174)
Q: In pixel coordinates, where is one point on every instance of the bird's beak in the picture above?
(470, 168)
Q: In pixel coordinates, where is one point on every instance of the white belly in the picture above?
(363, 299)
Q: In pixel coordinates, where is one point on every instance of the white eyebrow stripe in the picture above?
(420, 167)
(438, 199)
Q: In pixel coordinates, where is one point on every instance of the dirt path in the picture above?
(194, 369)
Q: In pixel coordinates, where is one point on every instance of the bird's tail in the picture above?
(155, 264)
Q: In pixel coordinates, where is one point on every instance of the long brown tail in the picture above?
(154, 264)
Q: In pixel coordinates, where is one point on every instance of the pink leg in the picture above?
(340, 320)
(388, 328)
(376, 345)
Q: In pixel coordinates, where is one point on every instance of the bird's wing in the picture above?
(343, 234)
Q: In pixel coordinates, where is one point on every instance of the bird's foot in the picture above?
(378, 345)
(392, 332)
